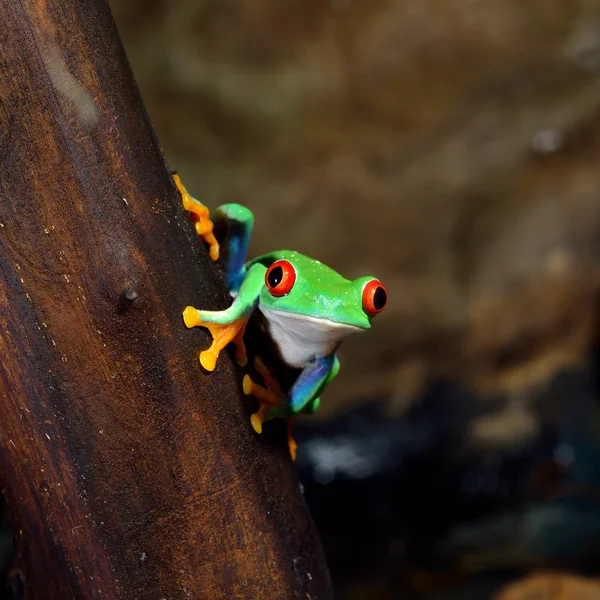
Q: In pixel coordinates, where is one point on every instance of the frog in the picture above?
(308, 308)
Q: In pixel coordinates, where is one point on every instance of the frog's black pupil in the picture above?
(275, 276)
(379, 298)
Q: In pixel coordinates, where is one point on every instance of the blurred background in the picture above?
(449, 148)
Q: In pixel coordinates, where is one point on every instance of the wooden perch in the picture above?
(128, 471)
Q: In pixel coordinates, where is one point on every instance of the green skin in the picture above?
(309, 322)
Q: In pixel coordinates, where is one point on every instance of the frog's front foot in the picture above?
(271, 399)
(201, 217)
(222, 335)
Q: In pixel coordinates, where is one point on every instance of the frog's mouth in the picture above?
(301, 338)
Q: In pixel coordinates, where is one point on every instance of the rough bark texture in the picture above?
(128, 471)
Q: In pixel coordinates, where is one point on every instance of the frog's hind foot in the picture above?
(270, 397)
(270, 394)
(201, 217)
(222, 335)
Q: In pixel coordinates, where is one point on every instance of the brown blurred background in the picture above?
(449, 147)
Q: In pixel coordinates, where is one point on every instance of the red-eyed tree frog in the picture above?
(309, 309)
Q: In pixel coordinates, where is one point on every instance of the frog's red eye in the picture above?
(280, 278)
(374, 297)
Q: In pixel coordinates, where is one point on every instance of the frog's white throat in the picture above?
(300, 338)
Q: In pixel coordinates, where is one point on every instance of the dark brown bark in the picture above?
(129, 472)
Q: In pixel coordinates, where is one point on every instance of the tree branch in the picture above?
(128, 471)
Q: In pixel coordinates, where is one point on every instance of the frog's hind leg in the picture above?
(239, 221)
(200, 216)
(270, 396)
(272, 402)
(302, 398)
(228, 325)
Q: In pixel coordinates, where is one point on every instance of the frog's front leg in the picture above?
(228, 325)
(200, 215)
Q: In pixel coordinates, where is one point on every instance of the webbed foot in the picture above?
(222, 335)
(200, 216)
(269, 396)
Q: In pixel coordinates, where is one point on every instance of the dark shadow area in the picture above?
(418, 507)
(6, 552)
